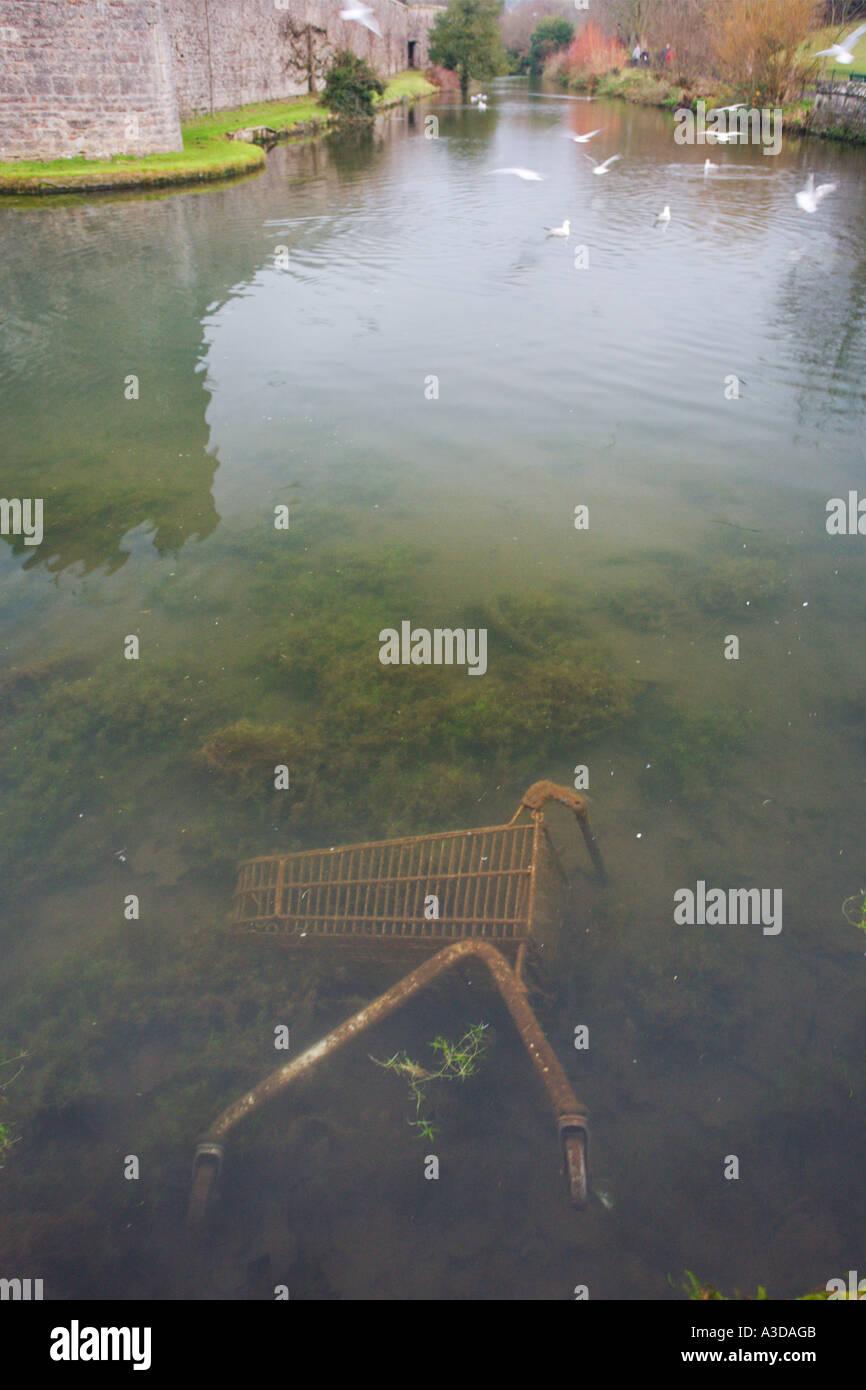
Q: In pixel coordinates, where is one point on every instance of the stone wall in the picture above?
(841, 106)
(229, 53)
(102, 77)
(91, 77)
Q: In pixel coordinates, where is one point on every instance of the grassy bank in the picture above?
(206, 155)
(823, 38)
(646, 88)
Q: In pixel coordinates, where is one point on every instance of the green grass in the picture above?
(406, 84)
(206, 154)
(823, 38)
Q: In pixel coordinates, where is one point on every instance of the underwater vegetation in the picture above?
(390, 742)
(151, 1031)
(459, 1060)
(698, 1292)
(733, 586)
(689, 751)
(97, 753)
(88, 748)
(79, 753)
(646, 607)
(7, 1137)
(854, 909)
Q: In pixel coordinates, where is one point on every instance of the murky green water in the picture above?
(306, 383)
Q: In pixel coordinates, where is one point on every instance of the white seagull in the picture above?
(529, 175)
(708, 165)
(809, 197)
(842, 52)
(583, 139)
(736, 107)
(664, 215)
(564, 230)
(362, 14)
(605, 167)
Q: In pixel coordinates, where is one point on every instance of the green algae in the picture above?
(689, 752)
(645, 607)
(740, 587)
(430, 734)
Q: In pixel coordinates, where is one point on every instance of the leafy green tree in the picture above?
(465, 39)
(350, 85)
(549, 35)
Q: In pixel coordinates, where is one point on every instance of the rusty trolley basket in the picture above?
(490, 894)
(491, 884)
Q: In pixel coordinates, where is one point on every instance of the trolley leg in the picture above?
(206, 1168)
(572, 1131)
(592, 845)
(521, 959)
(570, 1116)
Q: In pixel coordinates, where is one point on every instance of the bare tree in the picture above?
(307, 51)
(757, 45)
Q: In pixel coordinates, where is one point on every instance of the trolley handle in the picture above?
(542, 792)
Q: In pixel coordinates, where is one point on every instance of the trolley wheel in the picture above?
(206, 1170)
(574, 1151)
(200, 1196)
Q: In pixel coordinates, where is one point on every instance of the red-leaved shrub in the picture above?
(444, 79)
(591, 54)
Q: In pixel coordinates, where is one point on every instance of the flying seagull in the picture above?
(362, 14)
(583, 139)
(842, 52)
(736, 107)
(529, 175)
(564, 230)
(605, 167)
(809, 197)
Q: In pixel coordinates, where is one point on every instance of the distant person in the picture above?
(635, 53)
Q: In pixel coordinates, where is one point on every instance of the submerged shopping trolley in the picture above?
(490, 894)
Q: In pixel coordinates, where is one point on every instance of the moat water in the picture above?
(377, 335)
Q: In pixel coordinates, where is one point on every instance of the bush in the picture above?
(592, 54)
(550, 35)
(758, 47)
(350, 86)
(443, 78)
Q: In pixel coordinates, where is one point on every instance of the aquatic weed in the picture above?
(459, 1061)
